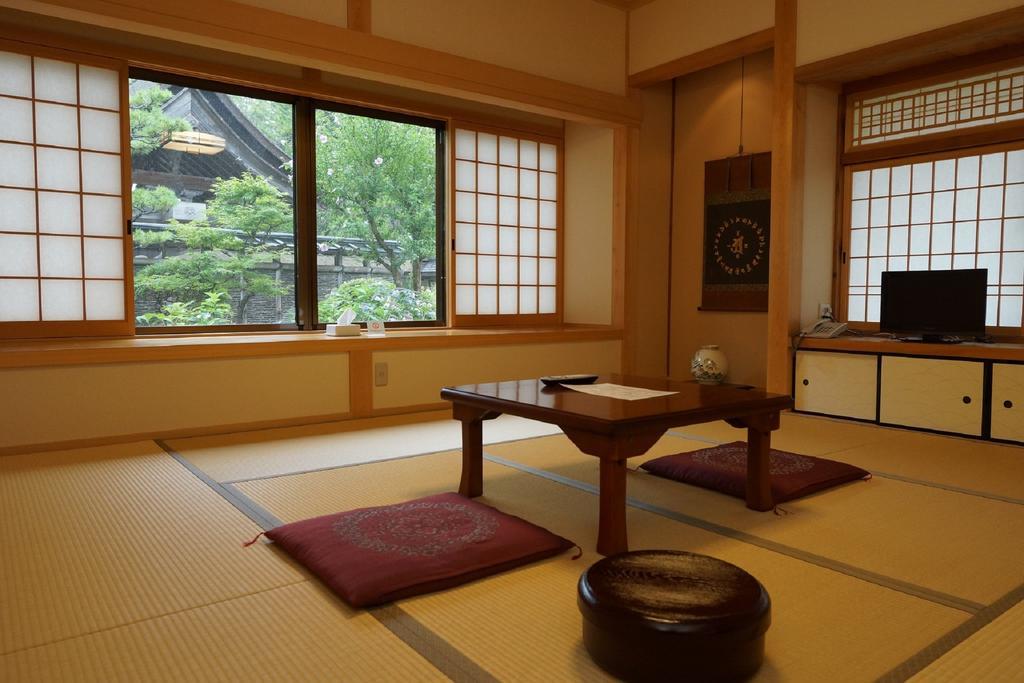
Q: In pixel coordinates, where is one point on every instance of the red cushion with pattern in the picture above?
(380, 554)
(724, 469)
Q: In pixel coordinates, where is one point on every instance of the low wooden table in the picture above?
(614, 430)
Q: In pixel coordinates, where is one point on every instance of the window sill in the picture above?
(51, 352)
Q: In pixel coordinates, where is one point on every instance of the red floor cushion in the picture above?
(724, 469)
(380, 554)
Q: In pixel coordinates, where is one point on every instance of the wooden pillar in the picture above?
(359, 13)
(785, 261)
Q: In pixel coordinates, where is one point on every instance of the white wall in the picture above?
(587, 271)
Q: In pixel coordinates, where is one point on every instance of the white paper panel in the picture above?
(465, 176)
(509, 181)
(968, 171)
(465, 144)
(528, 242)
(55, 81)
(56, 124)
(528, 271)
(17, 210)
(508, 211)
(487, 178)
(104, 258)
(487, 269)
(15, 120)
(60, 212)
(1013, 234)
(17, 165)
(944, 177)
(1010, 309)
(528, 154)
(528, 183)
(465, 300)
(465, 268)
(17, 255)
(487, 148)
(548, 186)
(60, 256)
(465, 206)
(487, 300)
(19, 299)
(62, 299)
(487, 239)
(548, 157)
(548, 272)
(527, 300)
(102, 216)
(528, 213)
(1015, 166)
(99, 87)
(58, 169)
(101, 130)
(880, 182)
(508, 240)
(507, 274)
(509, 151)
(548, 243)
(101, 173)
(507, 303)
(900, 180)
(547, 300)
(15, 74)
(487, 208)
(1014, 200)
(104, 299)
(1013, 268)
(548, 215)
(465, 237)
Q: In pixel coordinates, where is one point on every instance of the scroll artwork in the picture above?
(737, 216)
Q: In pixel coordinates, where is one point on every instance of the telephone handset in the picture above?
(824, 329)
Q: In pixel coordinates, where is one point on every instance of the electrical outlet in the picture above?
(380, 374)
(824, 310)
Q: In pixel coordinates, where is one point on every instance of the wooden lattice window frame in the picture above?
(458, 315)
(86, 327)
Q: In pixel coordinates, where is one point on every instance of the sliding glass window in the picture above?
(212, 205)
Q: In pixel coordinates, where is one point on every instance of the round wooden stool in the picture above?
(658, 615)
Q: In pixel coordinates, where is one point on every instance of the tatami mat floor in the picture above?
(125, 563)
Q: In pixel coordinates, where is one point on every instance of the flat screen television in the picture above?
(936, 305)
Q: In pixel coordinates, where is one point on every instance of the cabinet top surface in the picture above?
(966, 350)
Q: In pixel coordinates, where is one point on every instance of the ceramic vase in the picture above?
(709, 365)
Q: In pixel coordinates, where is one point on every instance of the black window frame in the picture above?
(304, 200)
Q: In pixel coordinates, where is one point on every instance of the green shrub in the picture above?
(373, 299)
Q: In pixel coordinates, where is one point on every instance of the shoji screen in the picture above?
(64, 269)
(507, 207)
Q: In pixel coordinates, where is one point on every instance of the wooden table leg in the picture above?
(759, 444)
(611, 531)
(472, 483)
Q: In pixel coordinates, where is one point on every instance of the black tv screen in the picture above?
(934, 303)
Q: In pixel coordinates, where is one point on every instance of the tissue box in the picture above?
(342, 330)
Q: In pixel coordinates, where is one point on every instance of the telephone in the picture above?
(824, 329)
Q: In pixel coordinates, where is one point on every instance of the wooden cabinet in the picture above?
(945, 395)
(1008, 401)
(841, 384)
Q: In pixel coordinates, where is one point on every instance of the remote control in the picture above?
(568, 379)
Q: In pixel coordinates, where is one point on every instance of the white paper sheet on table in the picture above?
(618, 391)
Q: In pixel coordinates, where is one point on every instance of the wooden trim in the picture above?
(937, 72)
(712, 56)
(38, 353)
(360, 14)
(1008, 131)
(623, 143)
(303, 42)
(1010, 352)
(988, 32)
(781, 256)
(360, 383)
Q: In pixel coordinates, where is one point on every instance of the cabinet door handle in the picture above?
(967, 399)
(806, 382)
(1007, 403)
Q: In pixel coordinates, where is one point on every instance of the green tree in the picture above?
(222, 253)
(149, 124)
(158, 199)
(376, 181)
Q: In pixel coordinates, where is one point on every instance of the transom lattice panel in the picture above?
(983, 99)
(506, 225)
(939, 213)
(62, 252)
